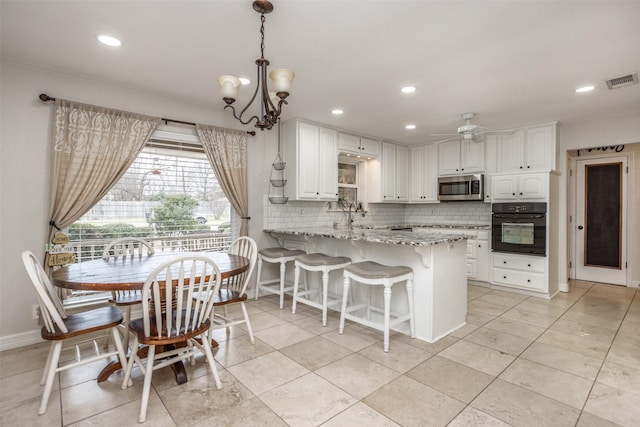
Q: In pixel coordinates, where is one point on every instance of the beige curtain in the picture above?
(92, 148)
(227, 153)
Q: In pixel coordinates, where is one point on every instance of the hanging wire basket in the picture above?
(276, 179)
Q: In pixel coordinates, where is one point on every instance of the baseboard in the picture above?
(563, 287)
(20, 340)
(635, 284)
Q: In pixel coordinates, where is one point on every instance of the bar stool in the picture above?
(374, 274)
(316, 262)
(275, 256)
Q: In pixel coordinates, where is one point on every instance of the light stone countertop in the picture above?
(414, 237)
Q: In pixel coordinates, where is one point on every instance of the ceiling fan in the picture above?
(468, 131)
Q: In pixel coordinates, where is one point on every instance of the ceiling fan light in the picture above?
(229, 86)
(281, 79)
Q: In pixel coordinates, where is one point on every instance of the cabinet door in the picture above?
(540, 151)
(388, 172)
(490, 164)
(504, 187)
(511, 152)
(349, 143)
(449, 158)
(328, 165)
(402, 173)
(307, 170)
(430, 173)
(370, 147)
(471, 156)
(533, 186)
(418, 166)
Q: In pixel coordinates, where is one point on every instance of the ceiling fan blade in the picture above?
(444, 134)
(452, 138)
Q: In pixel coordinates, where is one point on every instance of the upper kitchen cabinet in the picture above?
(424, 174)
(311, 154)
(359, 146)
(460, 157)
(529, 149)
(390, 181)
(522, 186)
(490, 164)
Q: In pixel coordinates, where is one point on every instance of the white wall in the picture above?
(24, 171)
(622, 130)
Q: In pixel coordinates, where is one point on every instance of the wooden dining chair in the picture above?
(62, 328)
(234, 289)
(119, 249)
(172, 317)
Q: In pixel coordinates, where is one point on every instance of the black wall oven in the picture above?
(519, 228)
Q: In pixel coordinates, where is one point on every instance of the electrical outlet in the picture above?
(35, 312)
(300, 212)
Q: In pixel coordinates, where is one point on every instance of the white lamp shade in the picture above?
(281, 78)
(229, 86)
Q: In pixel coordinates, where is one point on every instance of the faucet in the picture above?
(349, 215)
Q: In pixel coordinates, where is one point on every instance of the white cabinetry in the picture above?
(311, 154)
(525, 186)
(424, 174)
(460, 157)
(359, 145)
(490, 165)
(528, 149)
(478, 262)
(395, 173)
(520, 271)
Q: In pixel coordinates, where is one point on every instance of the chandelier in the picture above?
(270, 102)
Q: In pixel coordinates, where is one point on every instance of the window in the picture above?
(348, 182)
(169, 196)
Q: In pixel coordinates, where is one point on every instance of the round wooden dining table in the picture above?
(130, 273)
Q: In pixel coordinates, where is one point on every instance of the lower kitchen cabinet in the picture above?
(520, 271)
(478, 255)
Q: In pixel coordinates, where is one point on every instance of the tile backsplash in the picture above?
(319, 214)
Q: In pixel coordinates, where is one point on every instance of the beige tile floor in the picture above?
(521, 361)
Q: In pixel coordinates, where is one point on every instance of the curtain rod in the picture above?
(44, 97)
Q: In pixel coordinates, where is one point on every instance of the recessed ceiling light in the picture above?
(583, 89)
(408, 89)
(410, 127)
(244, 81)
(337, 112)
(109, 41)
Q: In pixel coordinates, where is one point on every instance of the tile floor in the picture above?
(521, 361)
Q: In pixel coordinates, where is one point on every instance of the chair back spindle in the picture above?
(171, 309)
(51, 309)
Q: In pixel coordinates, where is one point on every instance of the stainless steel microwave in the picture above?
(461, 187)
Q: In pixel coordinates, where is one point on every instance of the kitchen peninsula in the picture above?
(438, 261)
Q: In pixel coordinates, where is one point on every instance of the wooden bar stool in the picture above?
(316, 262)
(374, 274)
(275, 256)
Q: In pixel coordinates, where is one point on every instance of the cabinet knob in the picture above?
(521, 194)
(528, 265)
(504, 277)
(528, 167)
(504, 262)
(513, 194)
(462, 169)
(520, 167)
(479, 246)
(456, 170)
(528, 280)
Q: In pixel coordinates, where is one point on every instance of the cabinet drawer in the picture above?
(483, 235)
(526, 263)
(472, 268)
(520, 279)
(472, 248)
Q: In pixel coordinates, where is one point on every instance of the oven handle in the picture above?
(518, 216)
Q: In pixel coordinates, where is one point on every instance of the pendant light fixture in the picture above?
(270, 102)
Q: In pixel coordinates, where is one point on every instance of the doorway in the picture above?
(601, 220)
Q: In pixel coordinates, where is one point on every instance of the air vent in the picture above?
(618, 82)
